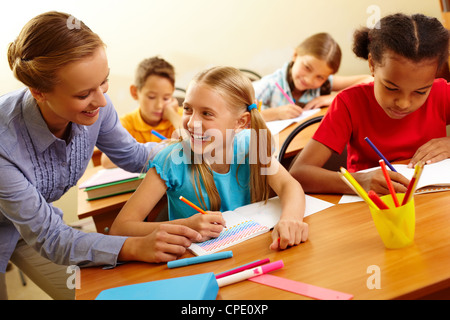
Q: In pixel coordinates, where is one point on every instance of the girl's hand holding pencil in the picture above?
(209, 225)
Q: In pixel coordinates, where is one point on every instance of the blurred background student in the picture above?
(158, 110)
(308, 79)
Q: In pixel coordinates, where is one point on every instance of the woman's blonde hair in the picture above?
(237, 90)
(46, 43)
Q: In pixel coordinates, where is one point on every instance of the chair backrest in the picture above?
(334, 163)
(252, 75)
(179, 94)
(302, 126)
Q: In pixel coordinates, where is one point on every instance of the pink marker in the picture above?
(284, 93)
(250, 265)
(250, 273)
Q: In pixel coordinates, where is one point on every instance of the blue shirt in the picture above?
(36, 168)
(271, 97)
(173, 166)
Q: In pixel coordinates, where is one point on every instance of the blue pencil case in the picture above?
(197, 287)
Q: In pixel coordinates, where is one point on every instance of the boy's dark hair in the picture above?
(153, 66)
(414, 37)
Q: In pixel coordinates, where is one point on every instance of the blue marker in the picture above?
(199, 259)
(380, 154)
(159, 135)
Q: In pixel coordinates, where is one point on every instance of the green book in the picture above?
(113, 188)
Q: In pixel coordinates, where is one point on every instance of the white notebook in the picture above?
(251, 220)
(435, 177)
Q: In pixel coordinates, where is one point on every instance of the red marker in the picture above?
(389, 182)
(376, 199)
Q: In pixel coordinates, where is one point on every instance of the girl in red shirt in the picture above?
(404, 112)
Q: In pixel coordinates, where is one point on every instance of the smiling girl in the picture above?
(404, 112)
(217, 165)
(309, 79)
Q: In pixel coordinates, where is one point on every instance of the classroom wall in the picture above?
(196, 34)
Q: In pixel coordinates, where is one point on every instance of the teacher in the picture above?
(48, 132)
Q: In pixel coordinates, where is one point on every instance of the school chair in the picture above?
(252, 75)
(179, 94)
(302, 126)
(334, 163)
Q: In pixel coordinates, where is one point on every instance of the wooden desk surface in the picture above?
(342, 245)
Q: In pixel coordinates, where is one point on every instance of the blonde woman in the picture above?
(309, 79)
(219, 165)
(48, 131)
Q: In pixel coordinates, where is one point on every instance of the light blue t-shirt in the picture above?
(174, 167)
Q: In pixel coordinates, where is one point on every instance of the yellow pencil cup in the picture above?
(396, 226)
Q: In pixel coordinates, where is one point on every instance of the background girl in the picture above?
(308, 79)
(404, 112)
(214, 165)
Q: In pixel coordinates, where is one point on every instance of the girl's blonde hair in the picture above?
(46, 43)
(323, 47)
(237, 90)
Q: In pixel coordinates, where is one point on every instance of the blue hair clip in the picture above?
(252, 106)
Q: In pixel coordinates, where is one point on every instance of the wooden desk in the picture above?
(342, 245)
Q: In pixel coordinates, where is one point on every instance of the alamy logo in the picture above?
(73, 23)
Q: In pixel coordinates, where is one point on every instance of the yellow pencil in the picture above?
(413, 183)
(352, 183)
(192, 205)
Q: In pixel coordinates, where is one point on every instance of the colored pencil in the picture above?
(284, 93)
(376, 199)
(356, 187)
(159, 135)
(192, 205)
(380, 154)
(413, 183)
(389, 182)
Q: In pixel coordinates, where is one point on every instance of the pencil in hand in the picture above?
(195, 207)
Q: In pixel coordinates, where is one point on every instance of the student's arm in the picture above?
(433, 151)
(307, 169)
(290, 229)
(130, 220)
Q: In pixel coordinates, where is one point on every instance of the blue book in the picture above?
(197, 287)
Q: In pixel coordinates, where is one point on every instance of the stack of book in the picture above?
(110, 182)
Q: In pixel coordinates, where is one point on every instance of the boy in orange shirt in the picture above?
(158, 110)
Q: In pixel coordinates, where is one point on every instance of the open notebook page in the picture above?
(251, 220)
